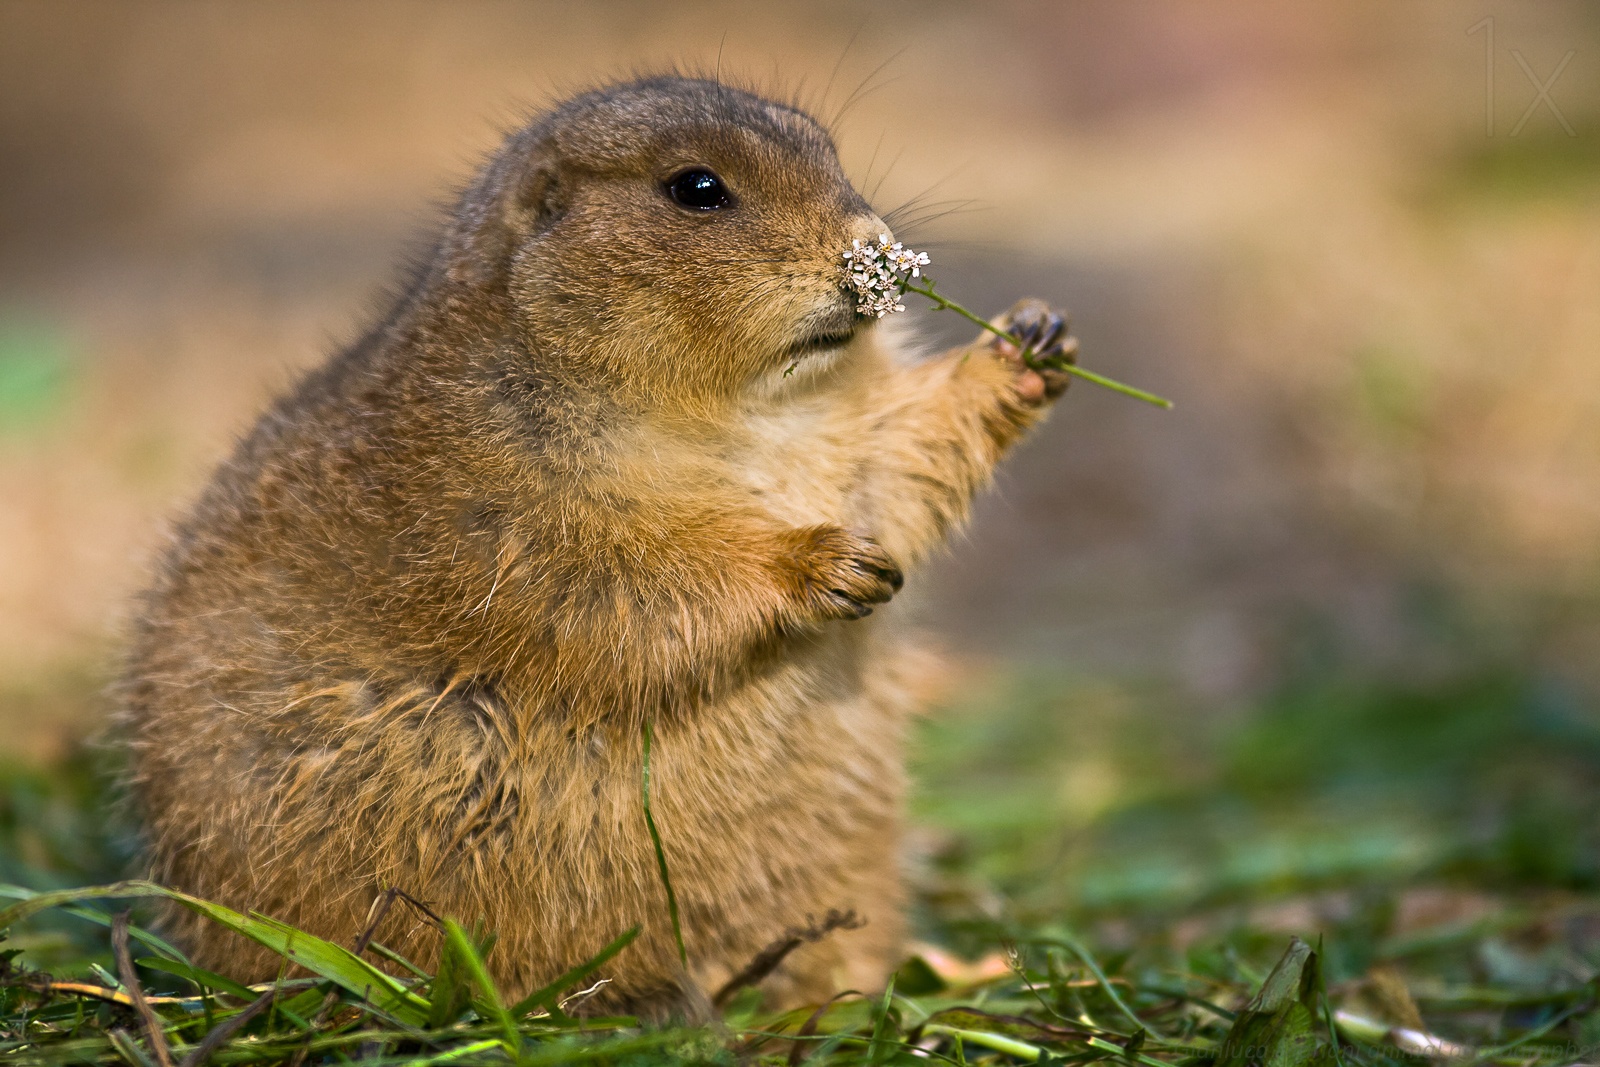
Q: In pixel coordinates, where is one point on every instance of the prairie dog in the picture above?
(622, 451)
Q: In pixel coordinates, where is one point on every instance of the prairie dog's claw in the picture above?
(1046, 347)
(847, 573)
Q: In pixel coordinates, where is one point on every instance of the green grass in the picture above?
(1127, 877)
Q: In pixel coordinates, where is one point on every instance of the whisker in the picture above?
(917, 207)
(867, 177)
(916, 225)
(862, 90)
(886, 172)
(716, 77)
(838, 64)
(984, 246)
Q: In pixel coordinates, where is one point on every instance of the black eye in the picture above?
(699, 190)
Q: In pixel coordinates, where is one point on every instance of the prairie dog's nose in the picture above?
(868, 228)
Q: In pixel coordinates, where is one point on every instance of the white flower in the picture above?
(878, 274)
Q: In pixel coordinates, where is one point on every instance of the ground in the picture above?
(1092, 878)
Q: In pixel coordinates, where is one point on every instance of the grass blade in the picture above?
(449, 993)
(33, 903)
(548, 997)
(661, 855)
(207, 979)
(1100, 977)
(100, 918)
(455, 1054)
(879, 1049)
(468, 958)
(322, 958)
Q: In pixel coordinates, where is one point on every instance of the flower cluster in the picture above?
(877, 274)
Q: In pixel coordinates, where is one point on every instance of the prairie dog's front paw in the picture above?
(841, 574)
(1043, 331)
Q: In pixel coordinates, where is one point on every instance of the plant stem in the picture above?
(1022, 1050)
(661, 855)
(945, 304)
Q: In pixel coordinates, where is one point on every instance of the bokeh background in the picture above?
(1331, 624)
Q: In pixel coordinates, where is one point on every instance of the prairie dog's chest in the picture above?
(802, 463)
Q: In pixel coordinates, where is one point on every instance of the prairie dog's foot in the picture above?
(843, 574)
(1044, 331)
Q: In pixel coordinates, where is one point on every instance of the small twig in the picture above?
(1014, 961)
(808, 1028)
(583, 994)
(661, 855)
(43, 983)
(431, 915)
(98, 992)
(767, 960)
(82, 989)
(130, 981)
(380, 909)
(221, 1035)
(376, 914)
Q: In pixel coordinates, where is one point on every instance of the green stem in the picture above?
(1022, 1050)
(1073, 369)
(661, 855)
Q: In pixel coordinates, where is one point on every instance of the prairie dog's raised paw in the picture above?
(1044, 332)
(843, 574)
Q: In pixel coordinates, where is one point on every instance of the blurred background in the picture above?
(1331, 624)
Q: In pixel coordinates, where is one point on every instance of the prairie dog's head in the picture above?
(672, 238)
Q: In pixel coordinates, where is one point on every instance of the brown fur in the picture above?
(411, 632)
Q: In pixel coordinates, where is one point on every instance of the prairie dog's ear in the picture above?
(518, 197)
(540, 196)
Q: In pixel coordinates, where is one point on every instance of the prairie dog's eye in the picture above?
(699, 190)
